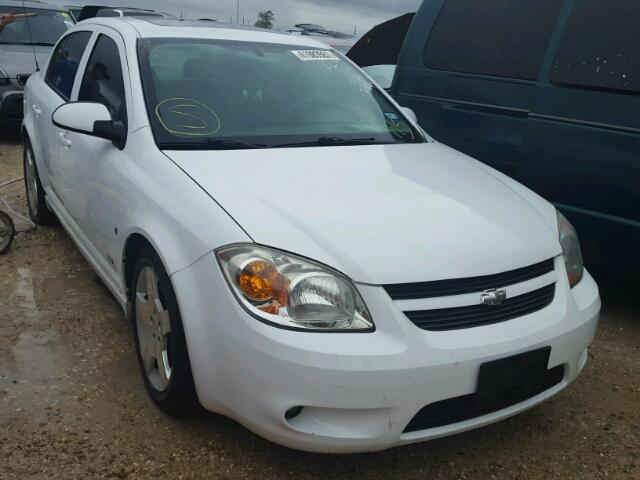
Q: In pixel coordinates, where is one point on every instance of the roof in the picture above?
(157, 27)
(32, 4)
(176, 22)
(382, 44)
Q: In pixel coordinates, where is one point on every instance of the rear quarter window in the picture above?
(65, 61)
(503, 38)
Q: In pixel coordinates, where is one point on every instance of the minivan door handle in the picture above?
(36, 110)
(488, 108)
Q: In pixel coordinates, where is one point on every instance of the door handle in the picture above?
(36, 110)
(64, 140)
(492, 109)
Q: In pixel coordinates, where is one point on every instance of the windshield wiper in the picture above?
(211, 144)
(331, 141)
(226, 143)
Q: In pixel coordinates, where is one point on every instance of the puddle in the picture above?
(32, 369)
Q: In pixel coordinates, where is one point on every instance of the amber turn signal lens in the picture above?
(574, 278)
(256, 280)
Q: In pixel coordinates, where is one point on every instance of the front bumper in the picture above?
(11, 106)
(360, 391)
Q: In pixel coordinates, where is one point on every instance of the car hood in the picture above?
(381, 214)
(19, 59)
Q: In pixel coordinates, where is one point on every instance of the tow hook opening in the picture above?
(293, 412)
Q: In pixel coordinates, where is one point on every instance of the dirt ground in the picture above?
(72, 402)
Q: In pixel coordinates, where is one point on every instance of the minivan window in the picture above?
(103, 81)
(215, 94)
(503, 38)
(599, 47)
(64, 63)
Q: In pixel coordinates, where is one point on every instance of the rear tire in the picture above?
(7, 232)
(38, 210)
(159, 337)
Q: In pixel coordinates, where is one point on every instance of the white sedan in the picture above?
(293, 251)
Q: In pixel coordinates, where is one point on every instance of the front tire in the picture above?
(38, 210)
(159, 336)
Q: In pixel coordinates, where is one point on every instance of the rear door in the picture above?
(584, 135)
(469, 70)
(49, 94)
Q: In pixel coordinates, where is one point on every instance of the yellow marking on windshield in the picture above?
(206, 120)
(176, 109)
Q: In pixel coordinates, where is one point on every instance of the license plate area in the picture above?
(506, 381)
(501, 384)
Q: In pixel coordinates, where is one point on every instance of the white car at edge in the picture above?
(293, 251)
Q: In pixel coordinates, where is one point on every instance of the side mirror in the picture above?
(409, 113)
(90, 118)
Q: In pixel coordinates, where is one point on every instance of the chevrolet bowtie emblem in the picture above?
(493, 297)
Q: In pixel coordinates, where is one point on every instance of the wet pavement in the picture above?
(73, 405)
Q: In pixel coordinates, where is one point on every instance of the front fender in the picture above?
(173, 213)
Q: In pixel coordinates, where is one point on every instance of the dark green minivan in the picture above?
(546, 91)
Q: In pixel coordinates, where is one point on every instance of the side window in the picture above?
(599, 47)
(103, 81)
(503, 38)
(64, 63)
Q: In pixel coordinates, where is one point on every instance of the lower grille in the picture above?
(479, 315)
(466, 407)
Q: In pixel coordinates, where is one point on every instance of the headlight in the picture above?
(571, 252)
(291, 292)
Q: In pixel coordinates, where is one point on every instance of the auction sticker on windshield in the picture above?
(314, 55)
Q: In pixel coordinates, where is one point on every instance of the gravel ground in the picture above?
(72, 403)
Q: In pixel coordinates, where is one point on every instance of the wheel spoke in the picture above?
(152, 285)
(149, 359)
(165, 322)
(164, 370)
(143, 308)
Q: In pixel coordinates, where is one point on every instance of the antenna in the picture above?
(33, 47)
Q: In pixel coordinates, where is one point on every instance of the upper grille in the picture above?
(443, 288)
(457, 318)
(22, 79)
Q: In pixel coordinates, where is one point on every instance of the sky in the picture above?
(341, 15)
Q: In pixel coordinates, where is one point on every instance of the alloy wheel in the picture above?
(153, 324)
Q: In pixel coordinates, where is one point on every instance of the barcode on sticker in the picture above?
(314, 55)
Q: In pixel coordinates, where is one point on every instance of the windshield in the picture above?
(25, 26)
(222, 94)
